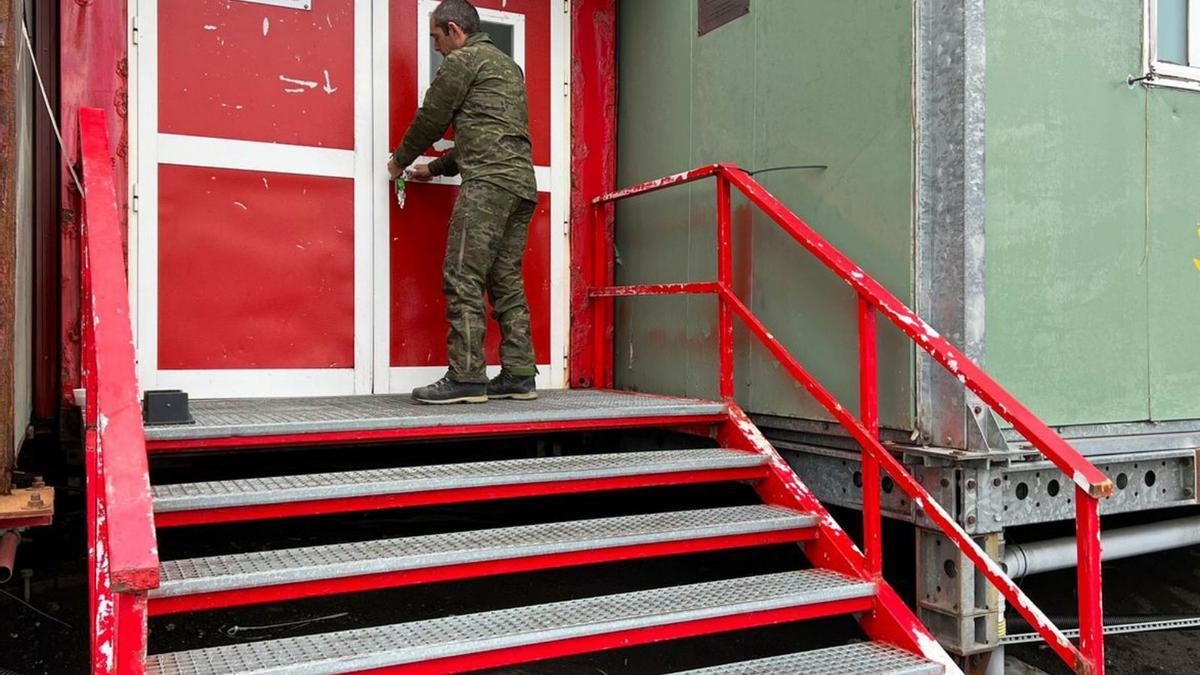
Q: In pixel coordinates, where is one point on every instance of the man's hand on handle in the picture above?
(419, 172)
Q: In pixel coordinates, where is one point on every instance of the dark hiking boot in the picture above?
(506, 385)
(447, 390)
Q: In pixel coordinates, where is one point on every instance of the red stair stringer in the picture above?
(891, 621)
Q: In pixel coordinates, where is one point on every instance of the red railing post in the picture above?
(868, 394)
(725, 281)
(1091, 613)
(601, 265)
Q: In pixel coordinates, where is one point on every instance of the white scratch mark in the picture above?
(328, 21)
(295, 91)
(266, 26)
(210, 27)
(329, 88)
(303, 83)
(241, 206)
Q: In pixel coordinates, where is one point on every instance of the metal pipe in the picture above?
(1056, 554)
(8, 554)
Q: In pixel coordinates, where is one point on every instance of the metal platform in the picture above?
(287, 566)
(866, 658)
(311, 487)
(231, 418)
(452, 636)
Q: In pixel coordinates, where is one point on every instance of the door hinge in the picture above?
(566, 6)
(133, 202)
(134, 30)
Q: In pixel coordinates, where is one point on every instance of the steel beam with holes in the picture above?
(454, 496)
(682, 423)
(631, 638)
(354, 584)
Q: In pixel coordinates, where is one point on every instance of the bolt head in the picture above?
(970, 520)
(971, 484)
(945, 482)
(996, 482)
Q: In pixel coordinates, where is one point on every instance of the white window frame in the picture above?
(1161, 73)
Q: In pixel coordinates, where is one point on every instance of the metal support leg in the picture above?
(954, 600)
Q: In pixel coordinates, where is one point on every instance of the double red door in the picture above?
(271, 258)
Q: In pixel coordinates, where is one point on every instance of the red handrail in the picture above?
(1091, 484)
(122, 549)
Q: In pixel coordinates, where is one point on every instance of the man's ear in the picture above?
(454, 30)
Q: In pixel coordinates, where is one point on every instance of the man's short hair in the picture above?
(459, 12)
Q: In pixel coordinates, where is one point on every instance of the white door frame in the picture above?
(152, 148)
(557, 183)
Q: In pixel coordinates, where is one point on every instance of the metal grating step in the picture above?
(866, 658)
(287, 566)
(474, 634)
(247, 418)
(315, 487)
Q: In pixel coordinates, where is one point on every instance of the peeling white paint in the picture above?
(303, 83)
(266, 26)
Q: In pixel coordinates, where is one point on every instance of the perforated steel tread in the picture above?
(231, 418)
(313, 487)
(266, 568)
(418, 641)
(865, 658)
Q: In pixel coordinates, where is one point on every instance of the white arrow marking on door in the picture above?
(329, 88)
(303, 83)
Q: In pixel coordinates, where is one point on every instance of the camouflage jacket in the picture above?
(481, 91)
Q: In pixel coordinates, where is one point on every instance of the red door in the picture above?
(413, 328)
(254, 184)
(271, 259)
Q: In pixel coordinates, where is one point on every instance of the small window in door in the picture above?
(507, 30)
(503, 35)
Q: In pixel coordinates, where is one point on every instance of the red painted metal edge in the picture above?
(373, 503)
(661, 183)
(891, 620)
(295, 591)
(1066, 458)
(620, 639)
(593, 158)
(915, 491)
(424, 433)
(654, 289)
(132, 549)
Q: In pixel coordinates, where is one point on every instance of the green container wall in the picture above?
(795, 82)
(1093, 298)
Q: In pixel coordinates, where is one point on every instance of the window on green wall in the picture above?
(1173, 42)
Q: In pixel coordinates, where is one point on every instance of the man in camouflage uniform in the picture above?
(481, 91)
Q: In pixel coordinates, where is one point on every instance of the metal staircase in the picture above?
(130, 583)
(514, 635)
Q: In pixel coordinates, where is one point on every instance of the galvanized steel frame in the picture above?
(949, 118)
(1090, 483)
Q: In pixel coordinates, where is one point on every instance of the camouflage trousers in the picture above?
(484, 252)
